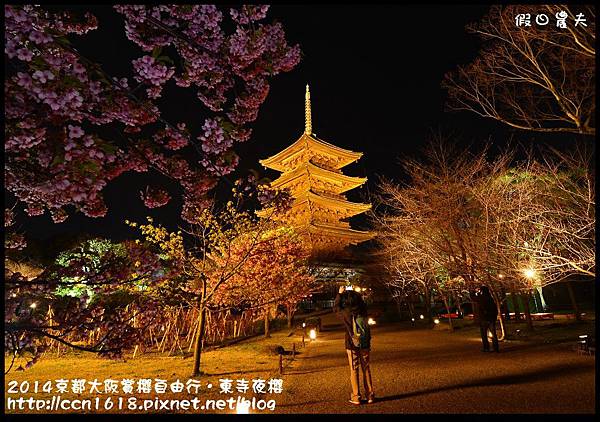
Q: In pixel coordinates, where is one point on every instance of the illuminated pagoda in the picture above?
(311, 170)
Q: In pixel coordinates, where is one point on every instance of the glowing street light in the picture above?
(357, 289)
(500, 276)
(371, 321)
(304, 325)
(312, 334)
(436, 321)
(412, 319)
(421, 316)
(529, 273)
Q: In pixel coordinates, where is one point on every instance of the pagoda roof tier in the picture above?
(339, 182)
(310, 144)
(307, 198)
(349, 208)
(327, 230)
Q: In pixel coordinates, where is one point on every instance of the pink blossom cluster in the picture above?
(249, 13)
(56, 102)
(155, 197)
(215, 62)
(150, 71)
(53, 157)
(173, 139)
(213, 140)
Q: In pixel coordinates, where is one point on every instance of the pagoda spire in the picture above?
(307, 113)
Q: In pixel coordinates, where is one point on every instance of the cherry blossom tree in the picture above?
(62, 109)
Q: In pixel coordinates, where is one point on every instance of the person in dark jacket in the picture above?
(352, 310)
(485, 313)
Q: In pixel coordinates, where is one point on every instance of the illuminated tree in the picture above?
(547, 223)
(538, 78)
(465, 219)
(434, 229)
(223, 243)
(275, 270)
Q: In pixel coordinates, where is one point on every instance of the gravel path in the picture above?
(419, 370)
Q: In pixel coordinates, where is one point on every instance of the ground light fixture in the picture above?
(304, 325)
(412, 319)
(33, 305)
(312, 334)
(371, 321)
(421, 316)
(436, 321)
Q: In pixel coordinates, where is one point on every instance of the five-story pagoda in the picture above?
(311, 170)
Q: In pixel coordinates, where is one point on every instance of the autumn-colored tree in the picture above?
(537, 78)
(223, 241)
(275, 270)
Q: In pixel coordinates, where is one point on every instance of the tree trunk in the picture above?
(199, 341)
(267, 333)
(200, 331)
(428, 305)
(505, 307)
(573, 300)
(411, 308)
(525, 299)
(290, 317)
(515, 301)
(445, 299)
(459, 307)
(398, 303)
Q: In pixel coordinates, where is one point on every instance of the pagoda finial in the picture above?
(307, 117)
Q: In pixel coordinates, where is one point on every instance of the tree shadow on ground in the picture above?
(556, 371)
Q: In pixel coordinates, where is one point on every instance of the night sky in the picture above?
(374, 72)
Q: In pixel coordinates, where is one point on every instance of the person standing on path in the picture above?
(352, 310)
(486, 313)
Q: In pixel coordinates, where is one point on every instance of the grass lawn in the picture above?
(249, 359)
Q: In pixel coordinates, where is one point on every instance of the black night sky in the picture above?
(374, 72)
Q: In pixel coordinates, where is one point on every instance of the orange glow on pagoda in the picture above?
(310, 169)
